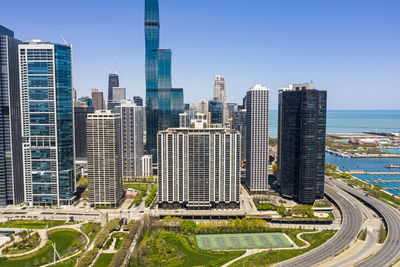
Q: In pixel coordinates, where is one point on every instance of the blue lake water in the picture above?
(349, 121)
(390, 183)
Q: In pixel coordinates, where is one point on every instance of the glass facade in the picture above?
(163, 103)
(11, 175)
(216, 108)
(48, 122)
(301, 142)
(113, 81)
(152, 36)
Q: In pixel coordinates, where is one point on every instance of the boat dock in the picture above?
(372, 173)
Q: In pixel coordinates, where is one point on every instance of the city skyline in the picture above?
(353, 52)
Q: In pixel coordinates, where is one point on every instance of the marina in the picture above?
(370, 170)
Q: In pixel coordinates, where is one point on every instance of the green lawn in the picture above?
(164, 248)
(31, 224)
(91, 229)
(242, 241)
(104, 260)
(67, 243)
(271, 257)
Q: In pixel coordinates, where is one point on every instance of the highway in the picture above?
(390, 251)
(352, 220)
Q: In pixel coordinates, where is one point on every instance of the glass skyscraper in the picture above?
(113, 81)
(163, 103)
(301, 142)
(47, 122)
(11, 175)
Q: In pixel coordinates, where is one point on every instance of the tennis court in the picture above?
(242, 241)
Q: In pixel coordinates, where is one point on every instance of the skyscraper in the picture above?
(11, 174)
(138, 101)
(97, 99)
(119, 93)
(301, 142)
(203, 106)
(239, 124)
(216, 109)
(80, 114)
(113, 81)
(198, 168)
(163, 103)
(132, 148)
(104, 158)
(47, 122)
(220, 94)
(257, 138)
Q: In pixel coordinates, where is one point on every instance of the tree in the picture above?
(282, 210)
(188, 226)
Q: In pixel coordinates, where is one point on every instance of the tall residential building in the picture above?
(147, 166)
(119, 93)
(11, 173)
(203, 106)
(163, 103)
(97, 99)
(216, 109)
(301, 137)
(239, 124)
(220, 94)
(232, 107)
(104, 158)
(132, 148)
(80, 114)
(198, 168)
(257, 138)
(113, 81)
(138, 101)
(47, 122)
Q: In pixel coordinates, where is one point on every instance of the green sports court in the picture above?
(242, 241)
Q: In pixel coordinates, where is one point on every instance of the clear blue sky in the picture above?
(351, 48)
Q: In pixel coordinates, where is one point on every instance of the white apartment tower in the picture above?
(132, 146)
(199, 168)
(257, 139)
(104, 158)
(220, 94)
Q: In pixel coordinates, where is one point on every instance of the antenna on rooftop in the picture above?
(115, 70)
(62, 36)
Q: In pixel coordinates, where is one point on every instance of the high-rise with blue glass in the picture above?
(163, 103)
(11, 176)
(47, 122)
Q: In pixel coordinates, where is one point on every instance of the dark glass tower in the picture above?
(216, 108)
(11, 173)
(163, 103)
(113, 81)
(47, 122)
(80, 115)
(301, 137)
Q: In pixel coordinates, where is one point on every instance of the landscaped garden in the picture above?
(104, 260)
(165, 248)
(91, 229)
(67, 241)
(31, 224)
(29, 242)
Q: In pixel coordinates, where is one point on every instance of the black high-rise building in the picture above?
(301, 142)
(216, 108)
(80, 115)
(11, 171)
(113, 81)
